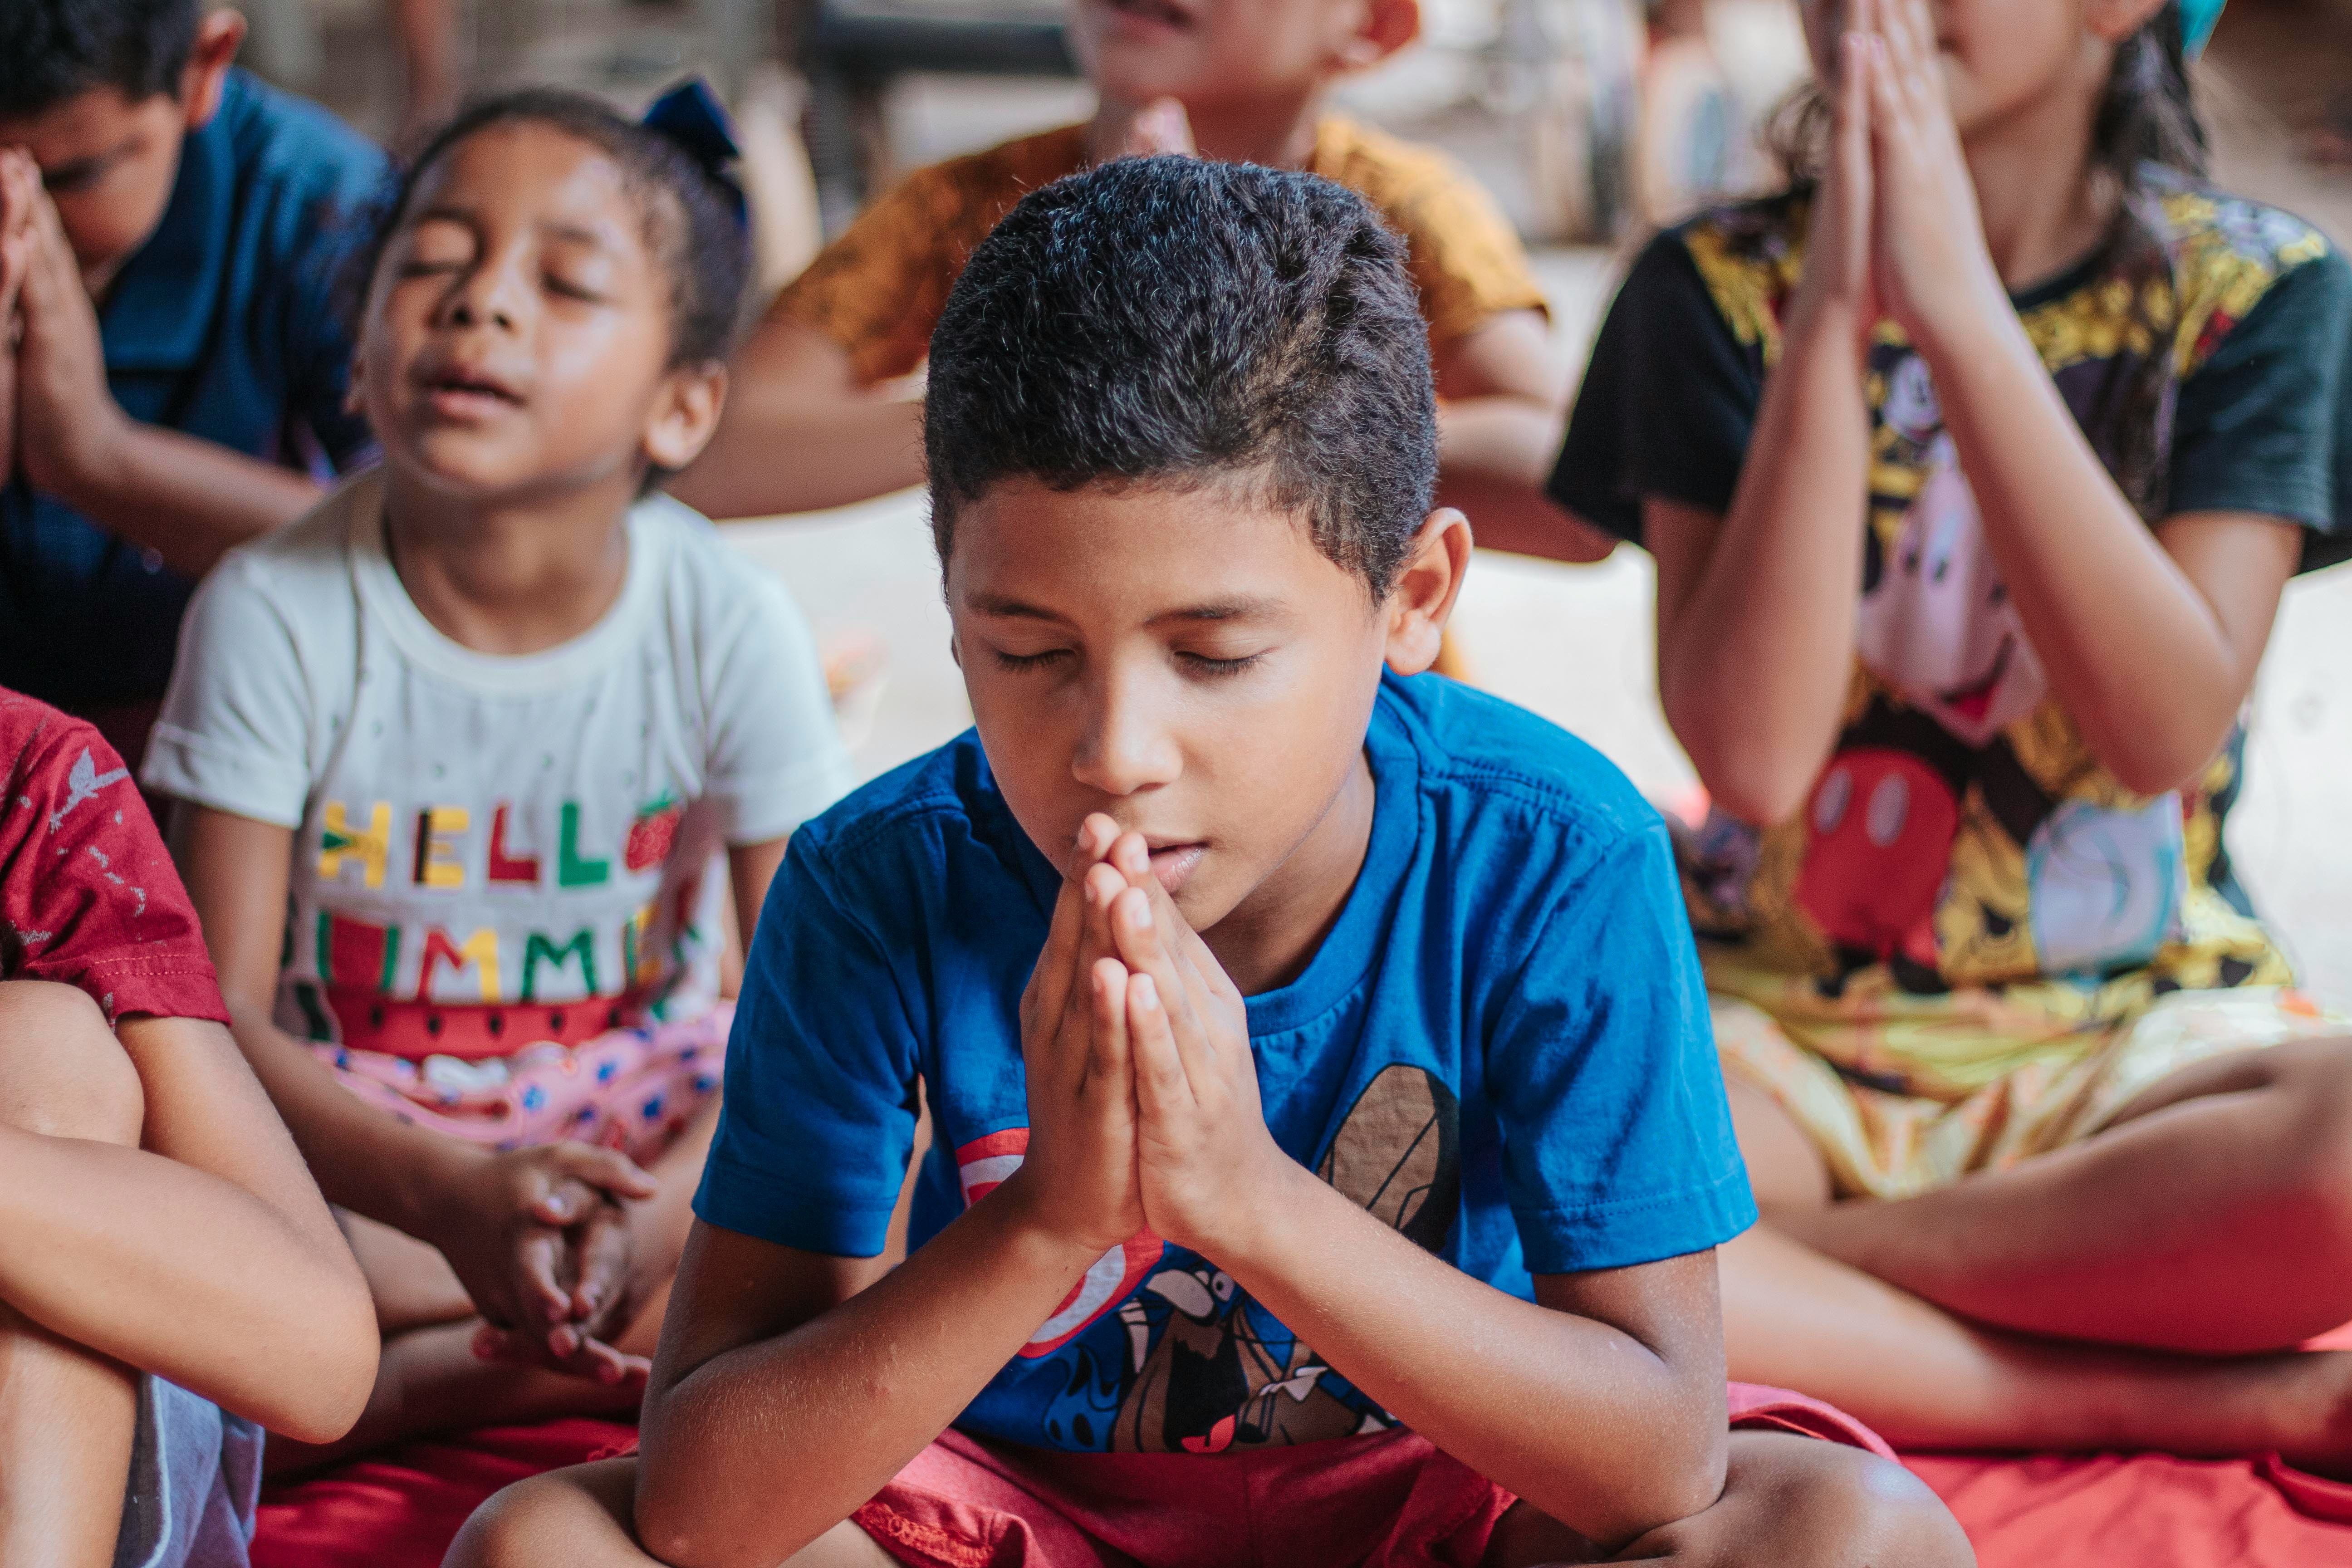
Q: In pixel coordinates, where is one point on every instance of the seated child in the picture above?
(179, 381)
(1246, 83)
(162, 1246)
(2071, 420)
(1262, 1000)
(471, 756)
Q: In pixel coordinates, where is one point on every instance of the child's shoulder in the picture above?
(293, 146)
(1748, 255)
(980, 187)
(2230, 253)
(912, 818)
(1499, 769)
(36, 739)
(712, 589)
(304, 558)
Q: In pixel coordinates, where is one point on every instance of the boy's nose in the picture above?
(1126, 748)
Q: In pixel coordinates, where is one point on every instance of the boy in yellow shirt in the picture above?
(821, 414)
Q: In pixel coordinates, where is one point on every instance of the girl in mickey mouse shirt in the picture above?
(2010, 1062)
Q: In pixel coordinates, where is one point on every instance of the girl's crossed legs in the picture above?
(2145, 1288)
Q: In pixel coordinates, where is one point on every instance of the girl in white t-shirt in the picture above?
(471, 757)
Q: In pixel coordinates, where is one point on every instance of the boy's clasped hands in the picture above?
(1143, 1095)
(58, 418)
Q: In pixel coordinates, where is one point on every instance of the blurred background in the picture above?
(1593, 122)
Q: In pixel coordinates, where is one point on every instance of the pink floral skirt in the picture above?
(632, 1089)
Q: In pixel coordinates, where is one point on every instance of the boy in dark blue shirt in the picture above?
(1329, 1153)
(178, 373)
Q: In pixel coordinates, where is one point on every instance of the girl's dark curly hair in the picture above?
(2146, 140)
(691, 221)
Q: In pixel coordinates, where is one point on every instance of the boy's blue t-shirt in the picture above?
(223, 325)
(1502, 1049)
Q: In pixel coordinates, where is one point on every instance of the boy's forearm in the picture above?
(188, 499)
(777, 454)
(1494, 453)
(756, 1452)
(178, 1272)
(1581, 1420)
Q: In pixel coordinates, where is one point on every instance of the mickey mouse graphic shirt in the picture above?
(1962, 838)
(1501, 1049)
(492, 851)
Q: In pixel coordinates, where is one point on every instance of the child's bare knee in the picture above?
(577, 1516)
(62, 1072)
(1797, 1499)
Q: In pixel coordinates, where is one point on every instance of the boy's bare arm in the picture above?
(188, 499)
(770, 1368)
(1602, 1404)
(774, 1413)
(206, 1255)
(801, 432)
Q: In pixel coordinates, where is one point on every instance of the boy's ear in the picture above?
(1423, 596)
(218, 37)
(685, 415)
(1388, 26)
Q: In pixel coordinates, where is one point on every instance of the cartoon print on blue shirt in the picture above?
(1205, 1368)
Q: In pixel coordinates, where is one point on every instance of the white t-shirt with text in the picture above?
(495, 850)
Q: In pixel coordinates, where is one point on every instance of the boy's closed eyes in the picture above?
(1188, 663)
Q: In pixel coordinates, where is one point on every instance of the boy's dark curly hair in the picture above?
(52, 50)
(690, 222)
(1172, 322)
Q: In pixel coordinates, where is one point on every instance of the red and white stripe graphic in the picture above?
(982, 1165)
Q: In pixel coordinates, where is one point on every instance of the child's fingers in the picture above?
(1131, 856)
(566, 1203)
(1100, 886)
(1911, 40)
(1107, 1055)
(1056, 981)
(1141, 945)
(595, 1359)
(607, 1169)
(1162, 1089)
(601, 1248)
(543, 1298)
(1048, 992)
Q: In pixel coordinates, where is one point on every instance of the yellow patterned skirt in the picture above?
(1903, 1093)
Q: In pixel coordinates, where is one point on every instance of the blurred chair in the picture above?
(850, 50)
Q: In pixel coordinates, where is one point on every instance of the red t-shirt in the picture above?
(88, 896)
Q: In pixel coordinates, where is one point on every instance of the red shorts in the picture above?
(1391, 1500)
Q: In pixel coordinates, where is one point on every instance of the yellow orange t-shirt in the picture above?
(879, 289)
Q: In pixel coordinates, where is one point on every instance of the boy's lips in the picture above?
(1175, 864)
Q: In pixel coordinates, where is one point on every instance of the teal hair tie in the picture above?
(2197, 19)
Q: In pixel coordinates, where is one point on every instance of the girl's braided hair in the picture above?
(2146, 140)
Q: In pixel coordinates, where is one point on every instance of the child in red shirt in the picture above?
(162, 1244)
